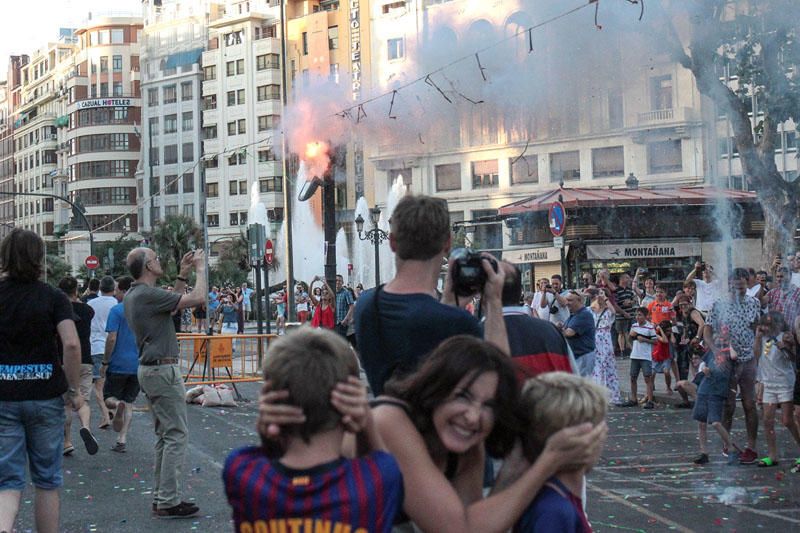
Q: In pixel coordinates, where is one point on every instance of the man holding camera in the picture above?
(556, 301)
(708, 288)
(400, 323)
(148, 310)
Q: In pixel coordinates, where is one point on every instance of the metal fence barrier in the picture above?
(214, 359)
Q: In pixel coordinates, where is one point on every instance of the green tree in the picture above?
(172, 238)
(756, 41)
(56, 269)
(119, 251)
(233, 265)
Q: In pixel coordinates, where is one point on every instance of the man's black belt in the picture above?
(156, 362)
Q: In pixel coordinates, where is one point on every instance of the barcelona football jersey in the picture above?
(359, 495)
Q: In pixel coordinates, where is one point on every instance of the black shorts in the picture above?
(796, 400)
(123, 387)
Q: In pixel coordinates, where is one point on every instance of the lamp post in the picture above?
(376, 236)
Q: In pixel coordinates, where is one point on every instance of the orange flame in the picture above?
(316, 158)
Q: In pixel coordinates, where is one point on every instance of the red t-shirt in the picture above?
(660, 352)
(323, 317)
(660, 311)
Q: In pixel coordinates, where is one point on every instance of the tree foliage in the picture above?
(232, 267)
(758, 43)
(56, 269)
(172, 238)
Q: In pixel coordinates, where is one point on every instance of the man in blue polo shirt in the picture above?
(579, 331)
(120, 365)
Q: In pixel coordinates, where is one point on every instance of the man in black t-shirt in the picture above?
(32, 380)
(400, 323)
(84, 313)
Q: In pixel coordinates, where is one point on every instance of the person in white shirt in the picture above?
(541, 294)
(557, 301)
(102, 307)
(643, 335)
(754, 288)
(709, 288)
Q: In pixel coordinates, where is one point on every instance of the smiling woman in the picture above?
(440, 423)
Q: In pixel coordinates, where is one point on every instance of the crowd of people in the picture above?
(465, 421)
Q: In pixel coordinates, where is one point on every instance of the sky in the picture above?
(31, 24)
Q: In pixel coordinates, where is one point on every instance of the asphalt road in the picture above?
(644, 481)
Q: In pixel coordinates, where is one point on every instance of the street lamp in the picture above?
(376, 236)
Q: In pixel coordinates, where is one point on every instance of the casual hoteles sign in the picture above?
(104, 102)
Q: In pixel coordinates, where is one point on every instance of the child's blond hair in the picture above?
(555, 400)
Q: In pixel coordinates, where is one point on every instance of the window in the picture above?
(270, 184)
(333, 38)
(608, 162)
(448, 177)
(188, 209)
(171, 184)
(333, 74)
(154, 159)
(188, 121)
(269, 92)
(305, 43)
(186, 91)
(387, 8)
(241, 126)
(664, 156)
(232, 128)
(170, 123)
(210, 132)
(117, 36)
(615, 113)
(233, 68)
(170, 94)
(396, 48)
(402, 173)
(565, 166)
(236, 97)
(233, 188)
(243, 218)
(210, 101)
(268, 61)
(268, 122)
(234, 219)
(661, 92)
(170, 154)
(212, 190)
(211, 162)
(266, 155)
(116, 63)
(212, 220)
(524, 169)
(233, 38)
(119, 141)
(154, 126)
(103, 89)
(117, 88)
(485, 174)
(187, 152)
(243, 187)
(103, 63)
(210, 73)
(239, 158)
(188, 182)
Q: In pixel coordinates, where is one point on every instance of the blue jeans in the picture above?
(31, 432)
(585, 364)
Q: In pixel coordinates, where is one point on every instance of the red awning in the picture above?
(573, 197)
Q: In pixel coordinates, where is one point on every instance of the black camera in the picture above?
(469, 277)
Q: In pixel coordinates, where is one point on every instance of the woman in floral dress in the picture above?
(605, 368)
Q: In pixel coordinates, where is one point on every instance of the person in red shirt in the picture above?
(324, 313)
(662, 356)
(661, 309)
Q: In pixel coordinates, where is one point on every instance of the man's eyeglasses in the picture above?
(156, 258)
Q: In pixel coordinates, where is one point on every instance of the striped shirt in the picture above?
(348, 496)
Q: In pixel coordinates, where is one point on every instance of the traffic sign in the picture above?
(92, 262)
(557, 219)
(269, 252)
(558, 242)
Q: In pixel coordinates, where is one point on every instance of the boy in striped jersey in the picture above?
(299, 479)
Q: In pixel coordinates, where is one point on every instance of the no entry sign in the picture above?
(269, 252)
(557, 219)
(92, 262)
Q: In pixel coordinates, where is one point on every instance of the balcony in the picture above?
(674, 121)
(662, 116)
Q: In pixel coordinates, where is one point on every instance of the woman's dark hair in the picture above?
(433, 383)
(22, 255)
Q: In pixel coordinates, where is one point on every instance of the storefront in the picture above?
(663, 231)
(534, 263)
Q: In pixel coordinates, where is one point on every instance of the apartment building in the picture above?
(35, 136)
(103, 130)
(241, 113)
(175, 34)
(6, 162)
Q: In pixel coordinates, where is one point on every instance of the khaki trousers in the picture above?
(163, 386)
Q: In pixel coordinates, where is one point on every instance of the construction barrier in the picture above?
(224, 358)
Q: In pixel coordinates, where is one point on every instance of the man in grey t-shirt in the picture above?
(148, 310)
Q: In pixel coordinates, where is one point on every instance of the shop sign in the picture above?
(104, 102)
(355, 48)
(532, 255)
(642, 250)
